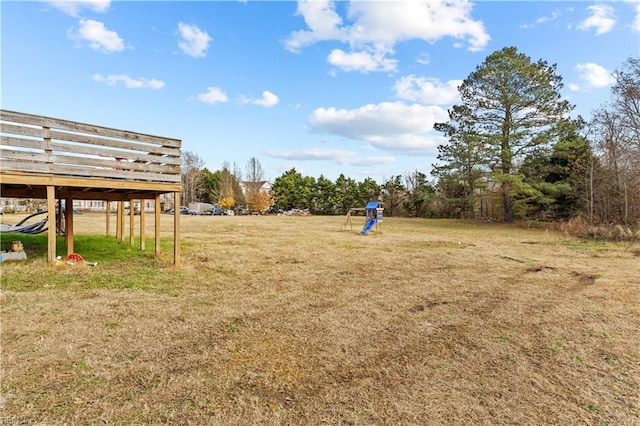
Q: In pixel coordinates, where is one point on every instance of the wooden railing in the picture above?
(33, 144)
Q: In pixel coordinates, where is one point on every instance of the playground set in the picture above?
(373, 217)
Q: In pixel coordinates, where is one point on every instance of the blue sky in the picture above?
(327, 87)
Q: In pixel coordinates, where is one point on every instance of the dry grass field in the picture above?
(294, 321)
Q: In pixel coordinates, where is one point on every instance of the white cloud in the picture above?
(130, 83)
(375, 27)
(311, 154)
(368, 161)
(423, 59)
(194, 42)
(98, 36)
(322, 20)
(361, 61)
(213, 95)
(395, 127)
(391, 22)
(73, 7)
(268, 99)
(636, 23)
(601, 19)
(594, 75)
(427, 90)
(555, 14)
(349, 158)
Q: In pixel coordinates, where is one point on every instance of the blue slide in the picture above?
(368, 226)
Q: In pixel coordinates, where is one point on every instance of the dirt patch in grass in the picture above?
(291, 320)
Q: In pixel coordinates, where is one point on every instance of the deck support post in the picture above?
(121, 221)
(108, 218)
(68, 224)
(51, 220)
(131, 222)
(156, 212)
(176, 228)
(142, 233)
(118, 229)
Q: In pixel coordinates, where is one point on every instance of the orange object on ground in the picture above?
(74, 258)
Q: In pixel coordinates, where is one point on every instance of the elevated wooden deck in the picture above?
(55, 159)
(92, 161)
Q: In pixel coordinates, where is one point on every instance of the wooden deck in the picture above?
(55, 159)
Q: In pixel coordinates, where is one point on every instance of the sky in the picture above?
(325, 87)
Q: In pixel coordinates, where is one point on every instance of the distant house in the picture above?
(257, 194)
(256, 186)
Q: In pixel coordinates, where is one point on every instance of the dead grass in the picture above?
(288, 320)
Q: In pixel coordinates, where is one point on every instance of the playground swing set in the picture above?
(373, 217)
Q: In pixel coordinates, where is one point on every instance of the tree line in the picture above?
(224, 187)
(513, 153)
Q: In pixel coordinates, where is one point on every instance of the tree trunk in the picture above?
(471, 203)
(506, 202)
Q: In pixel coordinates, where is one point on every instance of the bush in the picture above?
(578, 226)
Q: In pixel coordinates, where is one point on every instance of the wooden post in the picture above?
(121, 220)
(59, 222)
(157, 224)
(131, 222)
(51, 219)
(68, 224)
(176, 228)
(108, 217)
(142, 233)
(118, 220)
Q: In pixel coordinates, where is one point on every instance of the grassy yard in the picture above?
(295, 320)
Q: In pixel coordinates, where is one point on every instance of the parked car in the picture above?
(136, 211)
(217, 211)
(183, 210)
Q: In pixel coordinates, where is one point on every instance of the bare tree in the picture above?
(253, 184)
(254, 170)
(616, 129)
(192, 166)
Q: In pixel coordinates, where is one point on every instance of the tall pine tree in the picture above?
(512, 105)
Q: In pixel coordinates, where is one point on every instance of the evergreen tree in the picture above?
(368, 190)
(347, 195)
(463, 161)
(513, 105)
(557, 176)
(292, 191)
(323, 199)
(393, 195)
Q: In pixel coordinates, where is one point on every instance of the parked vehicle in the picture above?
(217, 211)
(183, 210)
(200, 208)
(136, 210)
